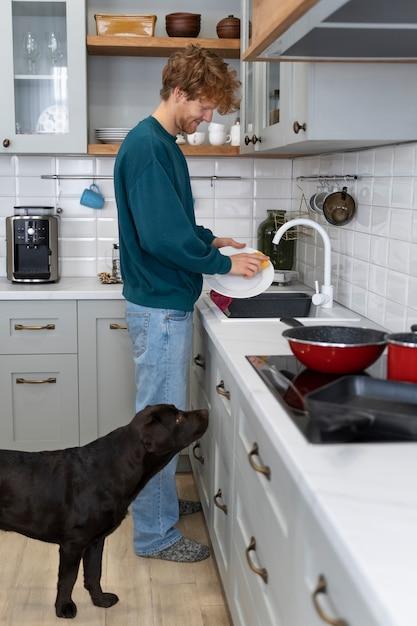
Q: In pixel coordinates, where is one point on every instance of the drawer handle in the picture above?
(222, 391)
(115, 326)
(200, 361)
(261, 571)
(222, 507)
(25, 381)
(34, 327)
(322, 588)
(197, 446)
(262, 469)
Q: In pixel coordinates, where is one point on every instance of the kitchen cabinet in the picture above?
(66, 372)
(38, 375)
(277, 564)
(43, 76)
(334, 30)
(107, 381)
(325, 107)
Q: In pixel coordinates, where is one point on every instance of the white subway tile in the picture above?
(233, 189)
(379, 251)
(7, 165)
(236, 228)
(77, 247)
(78, 267)
(105, 250)
(394, 316)
(202, 189)
(404, 160)
(234, 167)
(350, 163)
(107, 227)
(380, 220)
(376, 308)
(384, 158)
(360, 272)
(104, 166)
(233, 207)
(414, 227)
(366, 160)
(109, 209)
(31, 186)
(362, 219)
(345, 268)
(413, 259)
(344, 293)
(200, 167)
(377, 282)
(71, 207)
(266, 188)
(35, 165)
(402, 192)
(77, 227)
(381, 191)
(411, 318)
(346, 241)
(401, 224)
(207, 222)
(204, 207)
(73, 187)
(6, 205)
(361, 246)
(73, 165)
(397, 287)
(106, 187)
(359, 299)
(412, 292)
(399, 256)
(272, 168)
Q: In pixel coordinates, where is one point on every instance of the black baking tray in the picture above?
(272, 304)
(380, 409)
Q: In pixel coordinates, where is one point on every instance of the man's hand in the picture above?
(221, 242)
(246, 264)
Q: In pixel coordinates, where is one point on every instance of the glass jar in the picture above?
(282, 256)
(115, 263)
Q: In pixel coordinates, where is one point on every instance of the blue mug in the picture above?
(92, 197)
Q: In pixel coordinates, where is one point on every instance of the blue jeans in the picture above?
(161, 341)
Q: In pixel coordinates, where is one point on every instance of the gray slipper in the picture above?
(187, 507)
(183, 551)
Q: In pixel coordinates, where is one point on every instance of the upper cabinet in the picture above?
(312, 30)
(43, 76)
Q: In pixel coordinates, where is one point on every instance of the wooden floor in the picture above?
(151, 592)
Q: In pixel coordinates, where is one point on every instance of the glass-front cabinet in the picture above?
(248, 73)
(43, 76)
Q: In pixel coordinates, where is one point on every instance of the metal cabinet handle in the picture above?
(25, 381)
(6, 143)
(322, 588)
(252, 139)
(262, 469)
(297, 127)
(222, 391)
(261, 571)
(115, 326)
(34, 327)
(195, 447)
(222, 507)
(200, 361)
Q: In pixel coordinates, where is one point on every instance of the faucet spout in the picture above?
(325, 297)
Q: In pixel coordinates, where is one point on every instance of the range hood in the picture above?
(349, 30)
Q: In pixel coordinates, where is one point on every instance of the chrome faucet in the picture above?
(323, 297)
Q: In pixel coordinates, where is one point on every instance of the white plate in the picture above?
(238, 286)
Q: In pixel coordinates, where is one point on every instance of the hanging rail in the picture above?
(110, 177)
(330, 177)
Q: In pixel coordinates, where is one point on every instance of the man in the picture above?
(163, 256)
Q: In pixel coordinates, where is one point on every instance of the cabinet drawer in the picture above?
(224, 398)
(201, 454)
(317, 561)
(200, 365)
(39, 395)
(38, 327)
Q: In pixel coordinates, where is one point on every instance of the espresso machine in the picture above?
(32, 245)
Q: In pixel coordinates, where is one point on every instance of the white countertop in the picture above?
(71, 288)
(364, 494)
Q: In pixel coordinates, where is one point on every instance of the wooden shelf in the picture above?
(157, 46)
(111, 149)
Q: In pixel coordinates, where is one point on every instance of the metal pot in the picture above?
(402, 356)
(339, 207)
(336, 349)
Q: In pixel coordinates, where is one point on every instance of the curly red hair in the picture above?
(202, 74)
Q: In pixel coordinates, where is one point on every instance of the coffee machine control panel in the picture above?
(31, 232)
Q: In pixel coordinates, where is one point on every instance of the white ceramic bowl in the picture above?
(196, 139)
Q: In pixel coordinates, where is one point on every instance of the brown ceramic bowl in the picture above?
(183, 24)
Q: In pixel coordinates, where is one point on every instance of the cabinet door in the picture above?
(107, 382)
(201, 455)
(248, 72)
(39, 401)
(43, 76)
(272, 98)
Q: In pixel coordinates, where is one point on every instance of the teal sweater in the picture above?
(163, 253)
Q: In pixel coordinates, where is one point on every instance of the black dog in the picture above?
(78, 496)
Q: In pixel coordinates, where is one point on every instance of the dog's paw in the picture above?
(105, 600)
(66, 609)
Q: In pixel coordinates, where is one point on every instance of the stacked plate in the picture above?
(111, 135)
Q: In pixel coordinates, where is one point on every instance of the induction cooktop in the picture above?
(290, 381)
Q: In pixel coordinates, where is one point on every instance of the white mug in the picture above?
(216, 127)
(196, 139)
(218, 138)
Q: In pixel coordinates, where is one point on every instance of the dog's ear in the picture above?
(156, 438)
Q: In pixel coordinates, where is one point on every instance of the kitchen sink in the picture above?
(270, 305)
